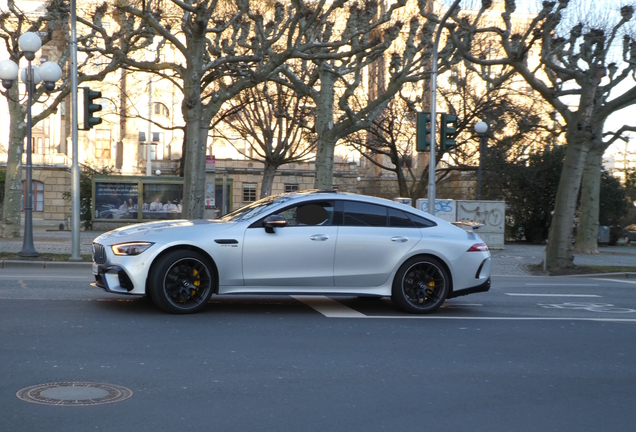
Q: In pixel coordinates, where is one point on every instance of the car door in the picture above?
(372, 240)
(299, 254)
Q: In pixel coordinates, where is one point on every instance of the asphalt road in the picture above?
(533, 354)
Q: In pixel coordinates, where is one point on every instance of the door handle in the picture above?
(319, 237)
(399, 239)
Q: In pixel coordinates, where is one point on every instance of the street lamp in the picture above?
(49, 72)
(481, 128)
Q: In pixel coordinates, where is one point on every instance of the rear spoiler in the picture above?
(468, 226)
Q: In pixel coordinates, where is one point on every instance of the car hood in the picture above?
(152, 230)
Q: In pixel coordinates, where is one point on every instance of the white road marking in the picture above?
(329, 307)
(619, 280)
(436, 317)
(48, 277)
(563, 284)
(551, 295)
(452, 305)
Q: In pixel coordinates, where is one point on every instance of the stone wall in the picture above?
(56, 181)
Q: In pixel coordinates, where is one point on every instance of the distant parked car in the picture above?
(312, 242)
(630, 232)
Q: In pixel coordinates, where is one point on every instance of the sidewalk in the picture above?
(52, 241)
(511, 261)
(514, 258)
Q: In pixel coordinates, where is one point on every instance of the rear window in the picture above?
(398, 218)
(421, 222)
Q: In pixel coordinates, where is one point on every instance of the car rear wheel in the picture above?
(181, 282)
(421, 285)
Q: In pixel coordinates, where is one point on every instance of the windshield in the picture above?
(255, 209)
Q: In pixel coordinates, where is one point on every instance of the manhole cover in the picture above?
(74, 393)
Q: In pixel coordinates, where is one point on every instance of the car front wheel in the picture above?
(181, 282)
(421, 285)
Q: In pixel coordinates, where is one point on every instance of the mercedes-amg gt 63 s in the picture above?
(311, 242)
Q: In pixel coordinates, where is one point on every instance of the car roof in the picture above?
(349, 196)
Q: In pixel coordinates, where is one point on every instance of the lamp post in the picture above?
(481, 128)
(49, 72)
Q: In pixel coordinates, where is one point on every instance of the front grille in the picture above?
(99, 253)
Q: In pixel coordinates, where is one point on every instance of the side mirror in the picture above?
(274, 221)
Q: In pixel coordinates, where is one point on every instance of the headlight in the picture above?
(130, 248)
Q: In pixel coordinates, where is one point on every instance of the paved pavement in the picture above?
(511, 261)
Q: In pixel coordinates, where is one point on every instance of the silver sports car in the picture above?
(311, 242)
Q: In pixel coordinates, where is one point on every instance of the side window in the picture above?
(363, 214)
(398, 218)
(309, 214)
(421, 222)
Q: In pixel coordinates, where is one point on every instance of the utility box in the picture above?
(492, 214)
(603, 235)
(444, 208)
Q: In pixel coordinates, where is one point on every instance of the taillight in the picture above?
(479, 247)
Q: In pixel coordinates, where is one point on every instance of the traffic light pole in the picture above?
(432, 163)
(75, 173)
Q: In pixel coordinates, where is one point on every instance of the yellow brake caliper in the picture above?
(197, 281)
(432, 285)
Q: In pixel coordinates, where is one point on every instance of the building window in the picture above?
(33, 145)
(249, 192)
(156, 151)
(48, 148)
(102, 144)
(161, 109)
(291, 188)
(38, 195)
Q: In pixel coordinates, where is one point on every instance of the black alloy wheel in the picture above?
(181, 282)
(421, 285)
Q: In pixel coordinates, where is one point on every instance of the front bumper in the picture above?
(113, 279)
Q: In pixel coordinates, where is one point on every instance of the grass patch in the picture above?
(582, 270)
(42, 257)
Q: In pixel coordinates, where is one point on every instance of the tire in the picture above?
(181, 282)
(421, 285)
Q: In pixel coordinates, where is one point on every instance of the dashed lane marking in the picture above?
(619, 280)
(562, 284)
(329, 307)
(550, 295)
(48, 277)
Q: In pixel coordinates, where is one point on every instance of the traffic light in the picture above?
(91, 108)
(448, 131)
(423, 131)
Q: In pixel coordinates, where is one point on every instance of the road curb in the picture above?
(45, 264)
(624, 275)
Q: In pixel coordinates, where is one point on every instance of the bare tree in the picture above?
(516, 124)
(334, 78)
(275, 123)
(220, 49)
(575, 63)
(52, 24)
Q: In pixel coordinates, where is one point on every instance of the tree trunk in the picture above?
(196, 136)
(12, 209)
(587, 233)
(269, 173)
(558, 251)
(324, 124)
(403, 187)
